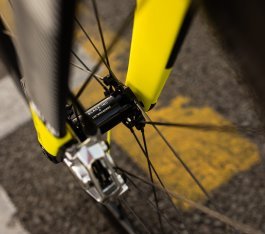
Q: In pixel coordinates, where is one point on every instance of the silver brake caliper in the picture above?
(93, 166)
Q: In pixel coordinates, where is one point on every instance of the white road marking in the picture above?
(8, 223)
(13, 109)
(13, 113)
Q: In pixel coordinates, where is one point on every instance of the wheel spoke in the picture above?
(92, 43)
(100, 31)
(88, 69)
(84, 70)
(152, 180)
(210, 127)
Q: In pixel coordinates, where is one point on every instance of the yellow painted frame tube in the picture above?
(157, 25)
